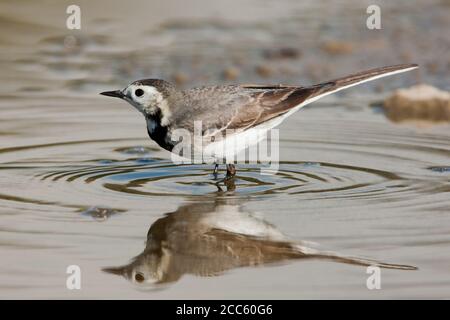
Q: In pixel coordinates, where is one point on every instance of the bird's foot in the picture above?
(216, 171)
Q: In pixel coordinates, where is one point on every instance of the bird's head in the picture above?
(149, 96)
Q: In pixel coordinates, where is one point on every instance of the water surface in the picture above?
(81, 184)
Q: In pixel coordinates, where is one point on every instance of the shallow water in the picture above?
(81, 184)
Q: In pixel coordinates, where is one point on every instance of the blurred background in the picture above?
(81, 183)
(210, 42)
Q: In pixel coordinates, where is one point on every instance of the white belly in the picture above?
(232, 147)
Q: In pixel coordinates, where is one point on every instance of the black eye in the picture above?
(138, 276)
(139, 92)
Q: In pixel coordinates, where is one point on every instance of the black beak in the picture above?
(120, 271)
(115, 93)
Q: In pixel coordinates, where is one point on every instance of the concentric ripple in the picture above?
(117, 178)
(376, 166)
(149, 177)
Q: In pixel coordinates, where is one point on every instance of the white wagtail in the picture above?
(240, 108)
(208, 238)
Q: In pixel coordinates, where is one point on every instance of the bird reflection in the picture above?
(209, 238)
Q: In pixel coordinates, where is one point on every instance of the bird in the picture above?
(209, 238)
(244, 110)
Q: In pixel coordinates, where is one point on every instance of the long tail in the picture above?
(329, 87)
(307, 252)
(315, 92)
(364, 262)
(336, 85)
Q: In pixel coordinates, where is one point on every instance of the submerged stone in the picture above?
(420, 102)
(311, 164)
(440, 169)
(134, 150)
(99, 213)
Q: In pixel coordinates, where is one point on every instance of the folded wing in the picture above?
(246, 106)
(272, 101)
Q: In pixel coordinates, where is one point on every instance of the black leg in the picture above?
(216, 170)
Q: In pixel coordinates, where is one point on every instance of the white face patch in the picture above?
(147, 99)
